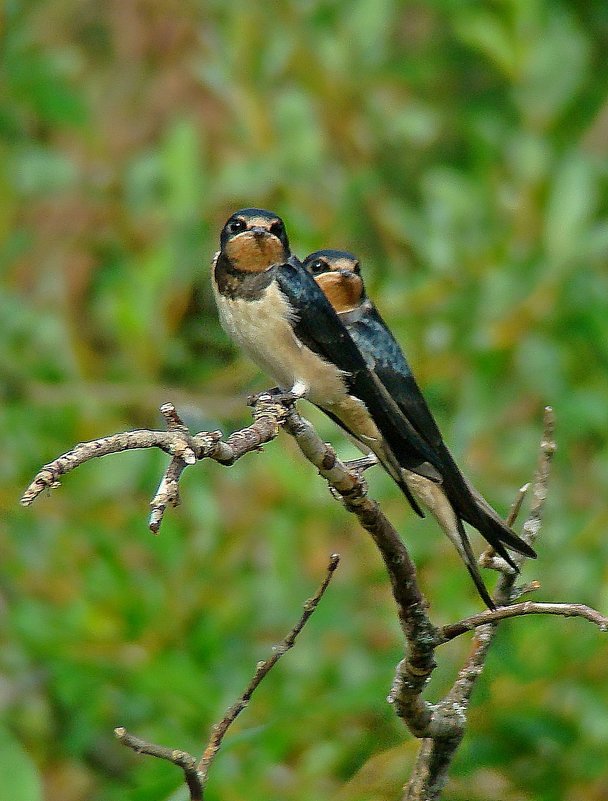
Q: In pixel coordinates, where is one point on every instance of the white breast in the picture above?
(262, 328)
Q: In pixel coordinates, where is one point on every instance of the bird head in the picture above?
(253, 240)
(337, 273)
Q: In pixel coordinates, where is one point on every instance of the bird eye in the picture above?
(318, 266)
(238, 225)
(357, 268)
(277, 229)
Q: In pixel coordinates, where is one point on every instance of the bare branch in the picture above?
(441, 726)
(185, 449)
(506, 592)
(167, 493)
(489, 558)
(48, 477)
(196, 773)
(517, 504)
(526, 608)
(430, 772)
(182, 759)
(262, 669)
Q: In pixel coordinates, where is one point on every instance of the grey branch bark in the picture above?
(440, 726)
(430, 772)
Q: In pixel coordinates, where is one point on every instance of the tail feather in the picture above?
(392, 467)
(468, 557)
(434, 498)
(472, 507)
(490, 525)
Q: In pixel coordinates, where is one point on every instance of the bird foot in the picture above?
(277, 394)
(361, 464)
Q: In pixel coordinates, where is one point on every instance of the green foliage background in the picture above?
(460, 148)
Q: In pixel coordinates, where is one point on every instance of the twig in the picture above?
(184, 448)
(262, 669)
(430, 772)
(48, 476)
(196, 773)
(489, 558)
(182, 759)
(506, 591)
(518, 610)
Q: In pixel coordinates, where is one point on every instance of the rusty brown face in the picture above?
(337, 274)
(254, 240)
(252, 253)
(342, 289)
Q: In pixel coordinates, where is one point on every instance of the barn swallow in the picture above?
(453, 500)
(275, 311)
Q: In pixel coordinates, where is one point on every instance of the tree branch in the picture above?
(518, 610)
(440, 726)
(430, 772)
(262, 669)
(196, 772)
(182, 759)
(185, 449)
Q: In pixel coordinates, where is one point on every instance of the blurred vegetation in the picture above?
(460, 148)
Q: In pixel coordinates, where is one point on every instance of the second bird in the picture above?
(453, 500)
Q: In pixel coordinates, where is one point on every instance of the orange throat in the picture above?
(343, 292)
(252, 254)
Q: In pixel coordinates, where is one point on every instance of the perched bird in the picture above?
(453, 499)
(274, 310)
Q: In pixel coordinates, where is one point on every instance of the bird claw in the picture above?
(277, 394)
(360, 465)
(288, 398)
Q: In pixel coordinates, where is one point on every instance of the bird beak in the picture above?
(259, 233)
